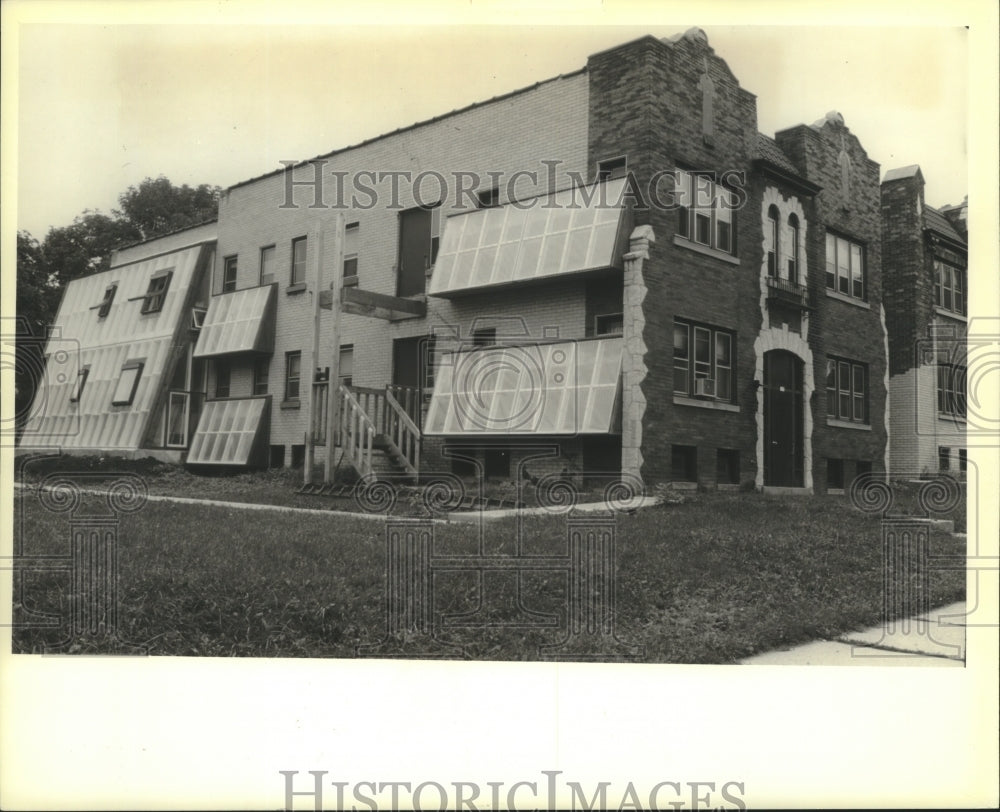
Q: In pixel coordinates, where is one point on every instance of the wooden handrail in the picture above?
(357, 431)
(403, 433)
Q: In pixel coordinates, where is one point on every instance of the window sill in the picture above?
(291, 404)
(950, 314)
(683, 400)
(299, 287)
(841, 297)
(684, 242)
(350, 281)
(952, 419)
(846, 424)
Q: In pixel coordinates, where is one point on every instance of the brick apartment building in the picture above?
(713, 314)
(925, 268)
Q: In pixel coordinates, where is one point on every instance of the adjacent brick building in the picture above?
(925, 262)
(713, 315)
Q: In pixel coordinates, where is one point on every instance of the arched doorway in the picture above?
(783, 419)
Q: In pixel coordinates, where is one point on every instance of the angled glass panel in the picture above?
(548, 389)
(226, 432)
(572, 231)
(235, 322)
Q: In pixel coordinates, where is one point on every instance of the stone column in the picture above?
(634, 349)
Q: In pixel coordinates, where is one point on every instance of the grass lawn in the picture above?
(711, 580)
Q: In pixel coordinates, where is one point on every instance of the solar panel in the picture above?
(226, 432)
(237, 322)
(570, 231)
(568, 387)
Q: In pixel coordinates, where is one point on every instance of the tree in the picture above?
(157, 207)
(84, 247)
(152, 208)
(37, 299)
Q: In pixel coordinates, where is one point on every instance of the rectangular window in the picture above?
(428, 366)
(81, 381)
(156, 293)
(293, 373)
(846, 390)
(128, 382)
(109, 296)
(261, 372)
(845, 267)
(682, 358)
(612, 168)
(835, 474)
(949, 287)
(705, 211)
(951, 389)
(944, 458)
(267, 254)
(610, 324)
(346, 373)
(178, 404)
(298, 261)
(223, 376)
(351, 235)
(728, 466)
(771, 237)
(963, 460)
(793, 260)
(831, 388)
(488, 198)
(684, 463)
(229, 274)
(711, 360)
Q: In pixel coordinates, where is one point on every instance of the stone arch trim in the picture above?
(767, 341)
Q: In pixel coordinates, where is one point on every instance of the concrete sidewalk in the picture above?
(936, 638)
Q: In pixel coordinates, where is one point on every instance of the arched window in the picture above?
(771, 241)
(793, 260)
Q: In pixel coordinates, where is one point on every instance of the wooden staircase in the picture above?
(378, 433)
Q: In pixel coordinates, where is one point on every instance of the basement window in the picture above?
(835, 474)
(728, 466)
(684, 463)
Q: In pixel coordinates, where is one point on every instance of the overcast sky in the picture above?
(102, 107)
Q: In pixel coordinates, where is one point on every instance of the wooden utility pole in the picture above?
(333, 400)
(316, 238)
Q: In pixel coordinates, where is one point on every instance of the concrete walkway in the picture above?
(464, 516)
(936, 638)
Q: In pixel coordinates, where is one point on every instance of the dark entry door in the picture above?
(414, 251)
(783, 447)
(412, 366)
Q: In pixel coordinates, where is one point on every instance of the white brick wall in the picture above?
(545, 122)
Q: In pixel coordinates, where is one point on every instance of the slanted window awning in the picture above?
(230, 432)
(569, 387)
(241, 321)
(575, 230)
